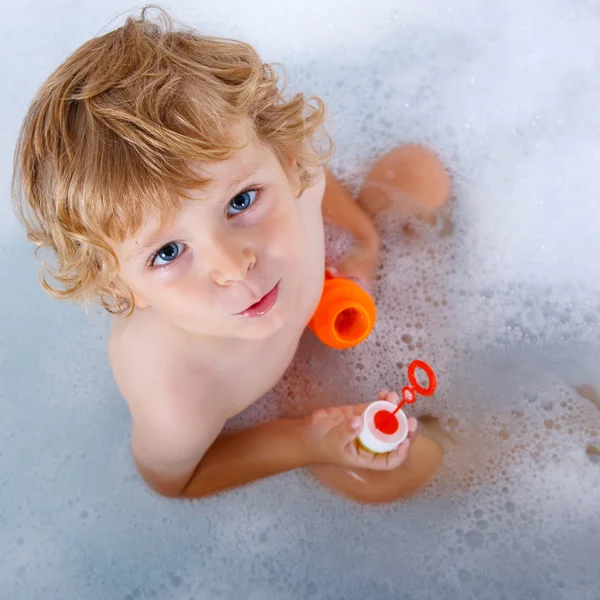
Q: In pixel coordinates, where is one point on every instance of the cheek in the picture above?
(179, 288)
(138, 285)
(285, 234)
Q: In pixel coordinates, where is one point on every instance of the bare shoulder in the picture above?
(142, 355)
(175, 415)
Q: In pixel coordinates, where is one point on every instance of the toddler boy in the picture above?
(177, 186)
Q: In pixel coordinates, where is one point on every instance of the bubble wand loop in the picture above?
(384, 420)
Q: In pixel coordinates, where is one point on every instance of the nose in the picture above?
(229, 263)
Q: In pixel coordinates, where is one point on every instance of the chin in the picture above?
(261, 328)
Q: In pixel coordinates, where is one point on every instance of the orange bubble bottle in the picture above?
(345, 315)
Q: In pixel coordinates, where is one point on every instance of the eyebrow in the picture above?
(247, 175)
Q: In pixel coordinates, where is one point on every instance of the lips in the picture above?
(263, 306)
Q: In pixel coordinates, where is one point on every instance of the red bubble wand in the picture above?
(383, 418)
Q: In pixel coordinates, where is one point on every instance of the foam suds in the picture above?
(500, 294)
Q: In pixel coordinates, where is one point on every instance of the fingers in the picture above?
(384, 462)
(393, 398)
(348, 430)
(360, 456)
(358, 264)
(389, 396)
(318, 415)
(412, 429)
(326, 414)
(393, 460)
(396, 458)
(359, 409)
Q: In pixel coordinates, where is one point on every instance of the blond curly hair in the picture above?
(109, 134)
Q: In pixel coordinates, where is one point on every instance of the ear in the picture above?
(140, 302)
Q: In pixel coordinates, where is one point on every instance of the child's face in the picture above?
(233, 262)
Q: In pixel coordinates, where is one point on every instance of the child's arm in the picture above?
(344, 211)
(201, 460)
(189, 457)
(239, 457)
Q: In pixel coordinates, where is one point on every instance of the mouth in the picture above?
(263, 306)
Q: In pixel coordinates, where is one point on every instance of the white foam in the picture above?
(506, 310)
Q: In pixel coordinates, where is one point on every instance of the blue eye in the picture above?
(167, 254)
(241, 202)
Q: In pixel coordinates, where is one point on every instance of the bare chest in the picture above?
(256, 372)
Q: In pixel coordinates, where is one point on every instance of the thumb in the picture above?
(348, 430)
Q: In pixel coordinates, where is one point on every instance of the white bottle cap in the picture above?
(375, 440)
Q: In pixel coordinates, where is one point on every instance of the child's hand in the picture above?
(359, 263)
(333, 431)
